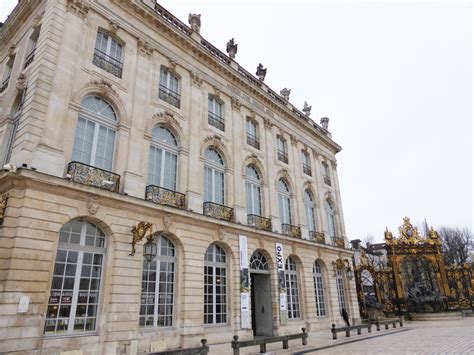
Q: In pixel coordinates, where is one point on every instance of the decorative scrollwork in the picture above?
(290, 230)
(139, 232)
(92, 176)
(163, 196)
(218, 211)
(259, 222)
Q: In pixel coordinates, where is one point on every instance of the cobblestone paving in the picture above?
(448, 337)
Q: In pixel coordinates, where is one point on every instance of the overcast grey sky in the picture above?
(395, 79)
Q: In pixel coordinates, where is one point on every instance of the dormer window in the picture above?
(108, 54)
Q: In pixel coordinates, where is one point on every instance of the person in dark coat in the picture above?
(345, 316)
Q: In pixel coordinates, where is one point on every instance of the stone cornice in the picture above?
(205, 52)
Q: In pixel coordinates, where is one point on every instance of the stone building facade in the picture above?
(116, 112)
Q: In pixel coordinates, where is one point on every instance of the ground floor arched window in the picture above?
(215, 286)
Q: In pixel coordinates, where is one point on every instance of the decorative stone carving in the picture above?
(307, 109)
(252, 114)
(267, 123)
(37, 19)
(195, 22)
(167, 222)
(217, 91)
(293, 139)
(21, 82)
(231, 48)
(315, 152)
(261, 72)
(79, 7)
(221, 233)
(93, 205)
(215, 140)
(236, 105)
(11, 50)
(113, 26)
(167, 117)
(285, 94)
(144, 47)
(196, 78)
(105, 88)
(261, 243)
(325, 122)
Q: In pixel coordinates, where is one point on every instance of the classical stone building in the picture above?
(116, 112)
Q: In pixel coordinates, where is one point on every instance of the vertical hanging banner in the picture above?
(280, 260)
(244, 283)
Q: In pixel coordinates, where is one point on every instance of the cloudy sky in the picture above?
(395, 79)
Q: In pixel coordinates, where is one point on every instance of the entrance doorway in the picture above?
(261, 295)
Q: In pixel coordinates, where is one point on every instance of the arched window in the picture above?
(17, 109)
(75, 288)
(284, 203)
(213, 177)
(318, 279)
(253, 186)
(309, 208)
(163, 158)
(158, 287)
(258, 262)
(94, 141)
(215, 286)
(331, 220)
(341, 293)
(292, 292)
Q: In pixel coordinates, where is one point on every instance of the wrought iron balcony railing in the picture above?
(92, 176)
(259, 222)
(327, 180)
(218, 211)
(171, 97)
(253, 141)
(163, 196)
(317, 237)
(282, 156)
(4, 84)
(216, 121)
(29, 58)
(290, 230)
(338, 242)
(307, 169)
(108, 63)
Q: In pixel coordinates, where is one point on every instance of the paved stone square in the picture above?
(440, 337)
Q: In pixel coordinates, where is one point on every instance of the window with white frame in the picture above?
(253, 187)
(341, 293)
(292, 292)
(252, 134)
(158, 286)
(284, 202)
(318, 279)
(216, 113)
(108, 54)
(30, 53)
(75, 289)
(215, 286)
(326, 173)
(94, 141)
(162, 163)
(309, 208)
(282, 149)
(169, 88)
(213, 177)
(17, 109)
(306, 163)
(330, 219)
(7, 73)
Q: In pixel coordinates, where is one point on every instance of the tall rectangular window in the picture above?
(252, 134)
(108, 54)
(282, 149)
(169, 88)
(6, 74)
(215, 114)
(341, 294)
(306, 163)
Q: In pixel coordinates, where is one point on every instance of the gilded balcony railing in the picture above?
(163, 196)
(92, 176)
(317, 237)
(108, 63)
(290, 230)
(253, 141)
(4, 85)
(168, 95)
(259, 222)
(283, 156)
(29, 58)
(218, 211)
(338, 242)
(216, 121)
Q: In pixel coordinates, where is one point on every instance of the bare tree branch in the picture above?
(456, 243)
